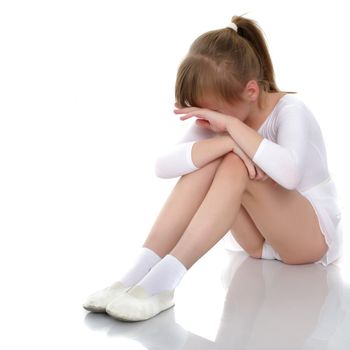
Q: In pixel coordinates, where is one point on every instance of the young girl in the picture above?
(253, 165)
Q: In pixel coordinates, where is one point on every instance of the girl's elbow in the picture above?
(292, 181)
(161, 171)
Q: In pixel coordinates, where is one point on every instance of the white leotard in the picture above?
(292, 153)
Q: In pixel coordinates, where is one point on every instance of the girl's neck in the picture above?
(259, 113)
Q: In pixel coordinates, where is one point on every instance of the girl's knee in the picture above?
(232, 159)
(233, 163)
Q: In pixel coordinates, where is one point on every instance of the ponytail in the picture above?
(250, 31)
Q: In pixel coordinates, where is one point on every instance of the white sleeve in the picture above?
(284, 161)
(176, 160)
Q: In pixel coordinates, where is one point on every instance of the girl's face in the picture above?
(240, 109)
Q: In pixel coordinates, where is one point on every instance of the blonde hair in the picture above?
(221, 62)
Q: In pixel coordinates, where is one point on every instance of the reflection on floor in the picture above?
(229, 300)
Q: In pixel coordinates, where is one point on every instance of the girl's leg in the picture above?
(286, 219)
(246, 233)
(172, 221)
(179, 208)
(212, 220)
(217, 213)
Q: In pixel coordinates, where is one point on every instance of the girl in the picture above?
(253, 165)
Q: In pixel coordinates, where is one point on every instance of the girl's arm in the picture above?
(254, 172)
(205, 151)
(198, 147)
(195, 149)
(283, 161)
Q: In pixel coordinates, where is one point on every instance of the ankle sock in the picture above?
(144, 260)
(164, 276)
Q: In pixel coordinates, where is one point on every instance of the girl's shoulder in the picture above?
(292, 102)
(291, 99)
(292, 110)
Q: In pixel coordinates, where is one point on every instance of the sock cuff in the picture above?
(150, 253)
(165, 275)
(175, 261)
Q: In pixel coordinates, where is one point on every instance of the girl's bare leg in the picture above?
(179, 208)
(169, 226)
(216, 214)
(211, 220)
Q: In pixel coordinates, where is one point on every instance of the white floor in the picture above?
(227, 300)
(249, 304)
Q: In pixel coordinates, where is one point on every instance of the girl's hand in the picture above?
(206, 118)
(260, 174)
(254, 172)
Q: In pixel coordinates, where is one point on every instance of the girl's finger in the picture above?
(203, 123)
(251, 170)
(259, 172)
(190, 115)
(187, 116)
(185, 110)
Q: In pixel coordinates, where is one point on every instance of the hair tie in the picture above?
(233, 26)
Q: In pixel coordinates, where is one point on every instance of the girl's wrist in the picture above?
(229, 142)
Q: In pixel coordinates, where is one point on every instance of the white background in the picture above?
(86, 101)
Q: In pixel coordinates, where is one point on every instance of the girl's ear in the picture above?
(251, 91)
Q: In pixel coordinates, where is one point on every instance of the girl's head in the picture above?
(220, 64)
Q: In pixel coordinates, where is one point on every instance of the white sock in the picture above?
(144, 261)
(166, 275)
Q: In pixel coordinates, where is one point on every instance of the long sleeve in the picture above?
(284, 160)
(176, 160)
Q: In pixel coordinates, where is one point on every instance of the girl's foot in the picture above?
(98, 301)
(143, 263)
(137, 304)
(150, 296)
